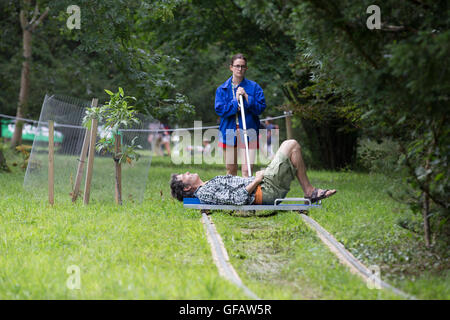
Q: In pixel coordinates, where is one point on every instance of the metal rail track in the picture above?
(226, 270)
(221, 258)
(348, 259)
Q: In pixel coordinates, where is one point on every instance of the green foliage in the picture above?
(204, 35)
(116, 114)
(378, 156)
(3, 164)
(112, 46)
(395, 74)
(318, 57)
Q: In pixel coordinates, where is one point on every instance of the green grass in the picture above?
(158, 250)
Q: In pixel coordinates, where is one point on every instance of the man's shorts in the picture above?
(277, 178)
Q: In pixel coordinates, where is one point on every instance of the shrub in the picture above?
(378, 157)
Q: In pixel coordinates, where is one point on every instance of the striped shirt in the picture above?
(226, 190)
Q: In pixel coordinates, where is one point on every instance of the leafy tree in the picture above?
(116, 114)
(396, 74)
(339, 75)
(28, 25)
(204, 35)
(111, 48)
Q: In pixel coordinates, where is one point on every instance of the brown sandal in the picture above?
(316, 195)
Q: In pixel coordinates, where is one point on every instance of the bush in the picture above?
(378, 157)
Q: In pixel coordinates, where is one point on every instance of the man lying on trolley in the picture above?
(261, 192)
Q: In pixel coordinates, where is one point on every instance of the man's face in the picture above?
(188, 178)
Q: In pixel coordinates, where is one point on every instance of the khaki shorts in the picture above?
(277, 178)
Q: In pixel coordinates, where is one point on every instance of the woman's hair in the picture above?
(238, 56)
(177, 188)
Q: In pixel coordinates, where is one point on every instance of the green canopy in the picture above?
(29, 132)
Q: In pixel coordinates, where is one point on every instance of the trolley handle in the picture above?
(278, 201)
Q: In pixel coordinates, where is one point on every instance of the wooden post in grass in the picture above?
(118, 188)
(84, 149)
(51, 164)
(82, 160)
(288, 124)
(90, 166)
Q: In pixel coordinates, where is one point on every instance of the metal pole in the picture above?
(244, 124)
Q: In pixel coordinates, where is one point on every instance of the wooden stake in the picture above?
(118, 188)
(288, 125)
(90, 166)
(51, 164)
(82, 159)
(80, 169)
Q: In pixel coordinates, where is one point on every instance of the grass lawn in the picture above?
(158, 250)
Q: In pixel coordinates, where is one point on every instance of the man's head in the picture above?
(184, 185)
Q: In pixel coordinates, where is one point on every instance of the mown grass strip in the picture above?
(221, 258)
(280, 257)
(348, 259)
(158, 250)
(153, 250)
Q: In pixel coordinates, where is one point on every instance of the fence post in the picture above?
(118, 183)
(84, 149)
(82, 159)
(51, 163)
(288, 124)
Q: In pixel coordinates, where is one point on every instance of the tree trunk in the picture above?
(27, 30)
(24, 88)
(426, 206)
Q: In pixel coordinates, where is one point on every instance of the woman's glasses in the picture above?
(239, 67)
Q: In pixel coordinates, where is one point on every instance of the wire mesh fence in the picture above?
(68, 113)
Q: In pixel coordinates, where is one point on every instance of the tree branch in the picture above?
(35, 14)
(23, 20)
(425, 189)
(41, 18)
(386, 27)
(344, 27)
(420, 3)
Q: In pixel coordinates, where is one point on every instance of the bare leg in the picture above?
(158, 146)
(243, 157)
(292, 149)
(230, 157)
(167, 145)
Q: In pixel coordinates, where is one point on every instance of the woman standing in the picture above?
(227, 107)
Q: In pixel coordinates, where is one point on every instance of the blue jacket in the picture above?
(226, 107)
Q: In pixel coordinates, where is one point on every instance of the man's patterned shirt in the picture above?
(225, 190)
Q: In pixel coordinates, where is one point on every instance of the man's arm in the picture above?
(258, 178)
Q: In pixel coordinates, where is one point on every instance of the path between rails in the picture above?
(220, 256)
(226, 270)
